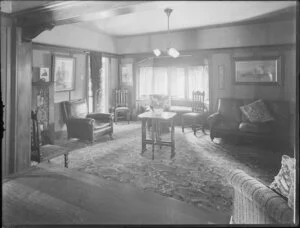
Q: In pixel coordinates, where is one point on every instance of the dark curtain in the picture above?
(96, 79)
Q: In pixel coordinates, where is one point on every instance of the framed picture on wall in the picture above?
(63, 73)
(44, 74)
(126, 74)
(221, 72)
(257, 70)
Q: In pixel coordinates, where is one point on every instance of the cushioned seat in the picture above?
(180, 109)
(192, 114)
(122, 108)
(255, 128)
(98, 125)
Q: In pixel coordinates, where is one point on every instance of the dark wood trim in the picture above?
(72, 12)
(215, 50)
(6, 19)
(29, 33)
(45, 7)
(52, 47)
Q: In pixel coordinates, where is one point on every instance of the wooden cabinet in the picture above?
(43, 102)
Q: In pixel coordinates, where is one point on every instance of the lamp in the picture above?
(170, 51)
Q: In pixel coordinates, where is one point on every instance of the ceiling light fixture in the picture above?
(170, 51)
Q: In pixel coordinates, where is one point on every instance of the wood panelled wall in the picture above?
(16, 70)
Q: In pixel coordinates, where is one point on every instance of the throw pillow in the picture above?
(257, 112)
(284, 180)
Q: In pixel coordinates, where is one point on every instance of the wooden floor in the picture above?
(48, 195)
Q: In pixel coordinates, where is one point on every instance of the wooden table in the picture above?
(156, 130)
(56, 195)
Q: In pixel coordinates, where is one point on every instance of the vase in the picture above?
(158, 111)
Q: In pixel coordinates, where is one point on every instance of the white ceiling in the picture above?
(186, 14)
(149, 16)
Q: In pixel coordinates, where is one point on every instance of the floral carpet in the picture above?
(196, 175)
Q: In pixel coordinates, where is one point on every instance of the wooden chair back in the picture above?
(198, 101)
(121, 97)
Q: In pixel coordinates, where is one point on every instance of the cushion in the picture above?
(180, 109)
(254, 128)
(284, 180)
(122, 109)
(100, 125)
(79, 109)
(257, 112)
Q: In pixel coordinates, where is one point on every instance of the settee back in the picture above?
(74, 109)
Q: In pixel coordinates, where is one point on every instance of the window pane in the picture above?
(177, 82)
(198, 80)
(145, 82)
(160, 81)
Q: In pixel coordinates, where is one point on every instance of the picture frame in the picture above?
(221, 72)
(257, 70)
(126, 74)
(63, 73)
(44, 74)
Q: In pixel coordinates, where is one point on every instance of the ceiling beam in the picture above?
(78, 11)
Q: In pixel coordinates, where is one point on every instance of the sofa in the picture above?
(84, 125)
(255, 203)
(230, 122)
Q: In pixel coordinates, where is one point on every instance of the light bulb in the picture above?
(157, 52)
(173, 52)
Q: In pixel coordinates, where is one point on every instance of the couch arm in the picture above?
(255, 203)
(82, 128)
(213, 119)
(100, 116)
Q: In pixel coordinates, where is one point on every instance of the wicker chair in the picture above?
(255, 203)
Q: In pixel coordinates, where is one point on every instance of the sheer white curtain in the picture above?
(177, 82)
(145, 82)
(198, 80)
(160, 81)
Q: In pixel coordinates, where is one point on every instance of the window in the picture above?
(160, 81)
(198, 80)
(178, 82)
(145, 82)
(104, 86)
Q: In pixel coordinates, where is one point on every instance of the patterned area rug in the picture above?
(196, 175)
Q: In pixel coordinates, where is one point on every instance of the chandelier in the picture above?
(170, 51)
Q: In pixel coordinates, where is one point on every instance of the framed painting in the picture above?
(126, 75)
(44, 74)
(257, 70)
(63, 73)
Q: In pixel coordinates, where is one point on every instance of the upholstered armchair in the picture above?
(84, 125)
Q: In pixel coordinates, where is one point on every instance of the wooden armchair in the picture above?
(121, 104)
(197, 116)
(39, 152)
(84, 125)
